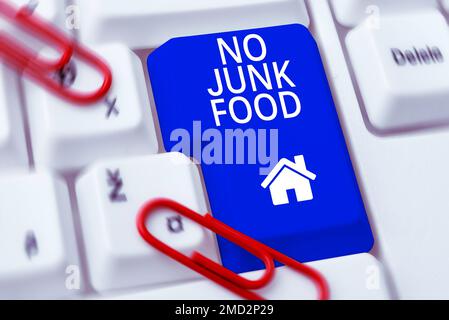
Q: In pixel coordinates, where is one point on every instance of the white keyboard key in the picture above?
(407, 60)
(352, 12)
(109, 197)
(37, 244)
(148, 24)
(352, 277)
(67, 136)
(13, 150)
(405, 182)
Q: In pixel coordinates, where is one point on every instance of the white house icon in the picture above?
(286, 176)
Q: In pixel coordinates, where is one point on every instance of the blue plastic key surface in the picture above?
(254, 108)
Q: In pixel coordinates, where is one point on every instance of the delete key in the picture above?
(253, 108)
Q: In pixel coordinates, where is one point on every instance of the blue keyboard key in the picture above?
(254, 109)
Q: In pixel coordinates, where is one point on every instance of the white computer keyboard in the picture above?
(72, 179)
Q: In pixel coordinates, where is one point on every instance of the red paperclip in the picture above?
(23, 59)
(213, 270)
(24, 19)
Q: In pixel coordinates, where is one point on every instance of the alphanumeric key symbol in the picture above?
(111, 104)
(31, 247)
(175, 224)
(116, 183)
(67, 75)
